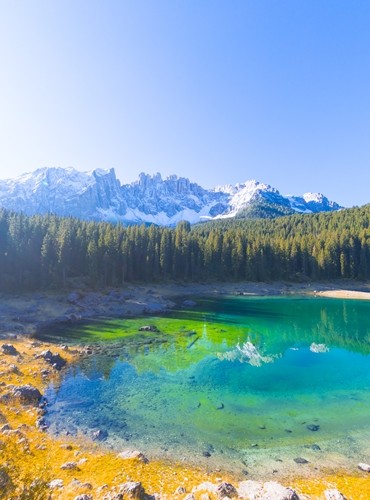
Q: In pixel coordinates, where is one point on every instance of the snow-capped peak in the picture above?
(316, 197)
(98, 195)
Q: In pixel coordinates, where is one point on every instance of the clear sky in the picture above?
(217, 91)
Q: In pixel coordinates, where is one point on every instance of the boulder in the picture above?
(226, 490)
(181, 490)
(207, 486)
(55, 360)
(27, 394)
(14, 369)
(129, 454)
(56, 483)
(333, 494)
(250, 489)
(275, 491)
(9, 349)
(132, 489)
(83, 497)
(364, 467)
(148, 328)
(313, 427)
(41, 424)
(301, 460)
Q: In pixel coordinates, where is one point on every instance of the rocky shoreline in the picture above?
(27, 313)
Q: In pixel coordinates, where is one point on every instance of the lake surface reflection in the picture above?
(241, 383)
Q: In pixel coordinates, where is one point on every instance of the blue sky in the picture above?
(217, 91)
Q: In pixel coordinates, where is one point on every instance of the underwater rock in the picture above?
(314, 447)
(333, 494)
(313, 427)
(300, 460)
(190, 333)
(27, 394)
(206, 454)
(220, 406)
(132, 489)
(226, 490)
(100, 435)
(364, 467)
(148, 328)
(9, 349)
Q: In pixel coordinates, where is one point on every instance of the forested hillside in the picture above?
(47, 251)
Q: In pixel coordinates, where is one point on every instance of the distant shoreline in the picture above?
(25, 313)
(344, 294)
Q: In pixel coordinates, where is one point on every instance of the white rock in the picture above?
(333, 494)
(275, 491)
(127, 454)
(250, 490)
(364, 467)
(207, 487)
(56, 483)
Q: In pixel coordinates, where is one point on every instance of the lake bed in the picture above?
(247, 384)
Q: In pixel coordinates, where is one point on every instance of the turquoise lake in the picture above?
(245, 384)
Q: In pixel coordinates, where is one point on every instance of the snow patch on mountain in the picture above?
(98, 195)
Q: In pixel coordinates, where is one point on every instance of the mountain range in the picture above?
(99, 195)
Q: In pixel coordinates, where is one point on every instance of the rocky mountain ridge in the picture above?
(99, 195)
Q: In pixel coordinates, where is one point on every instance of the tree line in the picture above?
(50, 251)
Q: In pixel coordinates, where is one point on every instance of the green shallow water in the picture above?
(233, 383)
